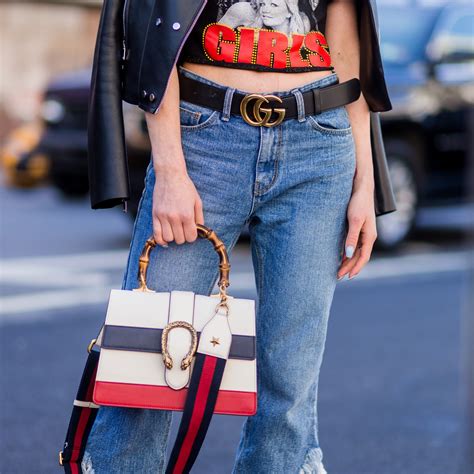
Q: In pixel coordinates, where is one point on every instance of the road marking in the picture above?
(69, 281)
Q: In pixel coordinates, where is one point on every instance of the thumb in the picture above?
(352, 238)
(198, 212)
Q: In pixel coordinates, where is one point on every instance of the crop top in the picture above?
(262, 35)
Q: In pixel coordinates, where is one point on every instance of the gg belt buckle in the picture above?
(258, 120)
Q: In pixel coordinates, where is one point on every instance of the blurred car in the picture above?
(64, 140)
(23, 163)
(428, 54)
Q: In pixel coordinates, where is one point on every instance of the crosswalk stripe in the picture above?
(70, 281)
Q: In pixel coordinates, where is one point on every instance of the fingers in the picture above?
(177, 226)
(189, 228)
(158, 232)
(171, 225)
(355, 226)
(189, 223)
(363, 256)
(176, 222)
(348, 264)
(198, 211)
(359, 245)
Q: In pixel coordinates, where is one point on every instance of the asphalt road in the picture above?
(393, 391)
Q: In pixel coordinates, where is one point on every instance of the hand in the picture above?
(177, 207)
(362, 232)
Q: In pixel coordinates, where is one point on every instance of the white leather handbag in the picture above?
(172, 350)
(149, 339)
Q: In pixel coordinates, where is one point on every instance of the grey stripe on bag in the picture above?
(128, 338)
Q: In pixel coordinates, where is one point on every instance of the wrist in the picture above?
(172, 163)
(364, 179)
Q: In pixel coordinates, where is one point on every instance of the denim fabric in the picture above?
(291, 184)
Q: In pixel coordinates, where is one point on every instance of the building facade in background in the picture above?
(38, 41)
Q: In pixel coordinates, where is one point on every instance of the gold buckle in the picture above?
(258, 120)
(61, 458)
(186, 362)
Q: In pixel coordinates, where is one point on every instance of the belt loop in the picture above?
(299, 104)
(229, 94)
(317, 101)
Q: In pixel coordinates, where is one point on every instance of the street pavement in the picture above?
(393, 392)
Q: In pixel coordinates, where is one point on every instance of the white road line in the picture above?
(116, 259)
(86, 279)
(50, 300)
(109, 259)
(418, 264)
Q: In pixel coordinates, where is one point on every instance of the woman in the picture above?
(280, 15)
(298, 172)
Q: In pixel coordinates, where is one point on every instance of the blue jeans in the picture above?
(291, 184)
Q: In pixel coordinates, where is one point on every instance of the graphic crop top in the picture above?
(262, 35)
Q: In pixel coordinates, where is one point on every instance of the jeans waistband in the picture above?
(322, 82)
(297, 91)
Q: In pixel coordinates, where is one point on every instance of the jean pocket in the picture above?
(332, 121)
(196, 117)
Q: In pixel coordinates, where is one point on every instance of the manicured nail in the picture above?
(165, 246)
(353, 276)
(349, 251)
(340, 278)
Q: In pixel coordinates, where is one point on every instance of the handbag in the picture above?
(174, 350)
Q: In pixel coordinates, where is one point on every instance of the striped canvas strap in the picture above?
(210, 360)
(198, 409)
(211, 357)
(82, 418)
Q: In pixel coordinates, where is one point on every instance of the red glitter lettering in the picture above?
(246, 45)
(220, 42)
(272, 46)
(315, 42)
(295, 52)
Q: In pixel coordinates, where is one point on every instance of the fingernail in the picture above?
(353, 276)
(164, 245)
(340, 277)
(349, 251)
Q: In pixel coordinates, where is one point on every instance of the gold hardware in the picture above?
(60, 458)
(143, 263)
(205, 233)
(91, 345)
(186, 362)
(223, 303)
(215, 341)
(217, 295)
(257, 110)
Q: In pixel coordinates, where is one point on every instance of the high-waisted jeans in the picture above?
(291, 184)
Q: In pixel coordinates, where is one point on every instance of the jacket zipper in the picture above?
(126, 6)
(188, 32)
(374, 23)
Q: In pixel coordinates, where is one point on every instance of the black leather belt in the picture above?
(269, 110)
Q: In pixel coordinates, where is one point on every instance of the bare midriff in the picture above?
(255, 81)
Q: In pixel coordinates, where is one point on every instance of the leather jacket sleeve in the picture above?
(374, 89)
(109, 180)
(371, 74)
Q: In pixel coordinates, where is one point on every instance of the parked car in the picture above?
(428, 54)
(64, 140)
(22, 162)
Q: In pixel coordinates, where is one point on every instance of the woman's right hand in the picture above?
(177, 207)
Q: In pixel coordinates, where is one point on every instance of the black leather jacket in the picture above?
(138, 43)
